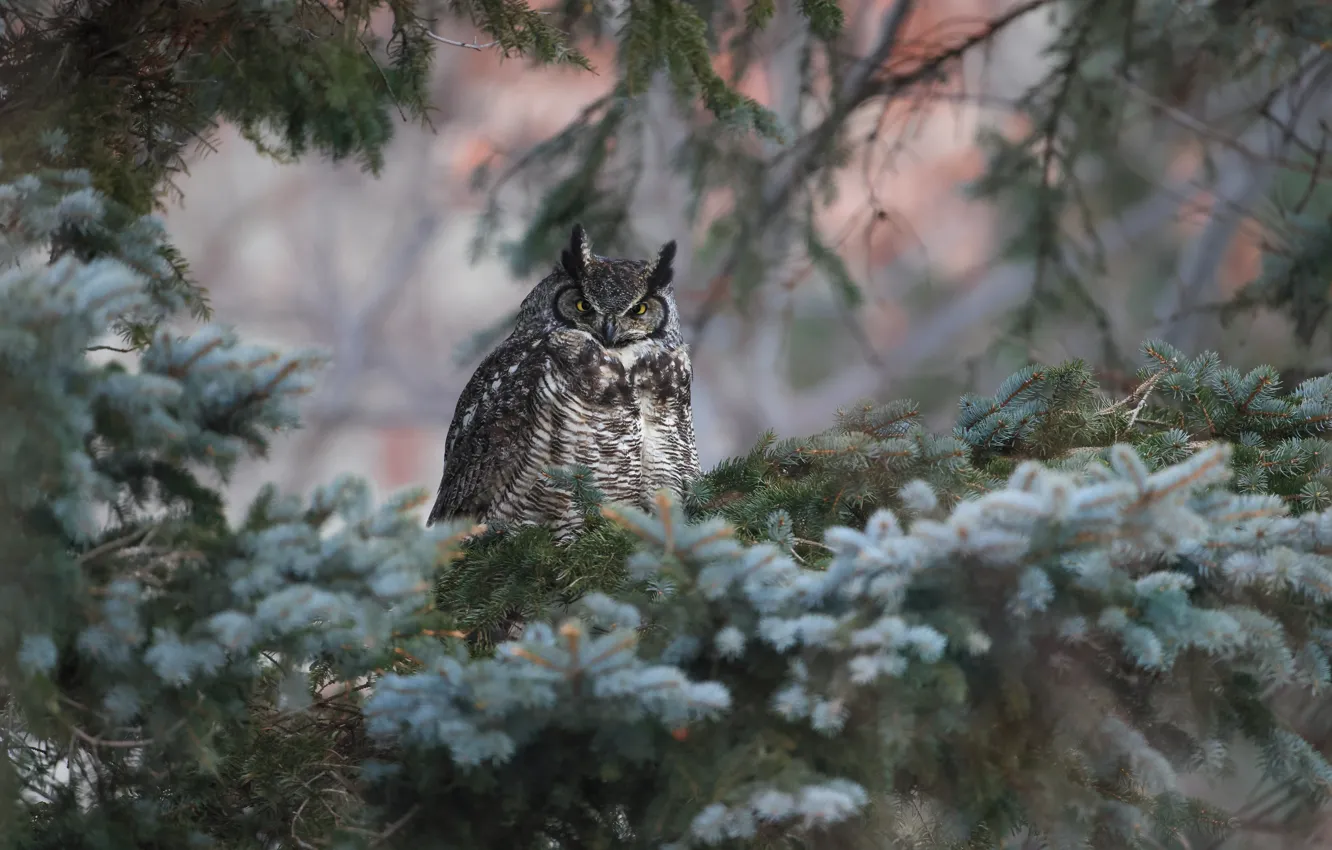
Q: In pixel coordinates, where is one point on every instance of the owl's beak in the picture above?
(609, 331)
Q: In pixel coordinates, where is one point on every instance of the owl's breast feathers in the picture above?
(564, 399)
(662, 379)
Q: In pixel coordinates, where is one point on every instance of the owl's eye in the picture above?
(641, 308)
(581, 306)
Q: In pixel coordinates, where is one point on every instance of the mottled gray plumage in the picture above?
(595, 372)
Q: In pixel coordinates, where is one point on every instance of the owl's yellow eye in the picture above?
(581, 306)
(640, 309)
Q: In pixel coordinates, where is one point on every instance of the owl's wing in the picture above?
(491, 438)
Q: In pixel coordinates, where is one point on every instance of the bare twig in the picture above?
(320, 702)
(396, 825)
(119, 745)
(295, 819)
(474, 45)
(352, 317)
(808, 542)
(1142, 393)
(143, 535)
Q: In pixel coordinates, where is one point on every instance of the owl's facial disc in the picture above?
(618, 302)
(614, 322)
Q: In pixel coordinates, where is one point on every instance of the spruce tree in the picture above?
(1037, 624)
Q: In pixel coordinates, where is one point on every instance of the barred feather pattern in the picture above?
(553, 395)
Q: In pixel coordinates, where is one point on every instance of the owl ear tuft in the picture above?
(578, 256)
(660, 273)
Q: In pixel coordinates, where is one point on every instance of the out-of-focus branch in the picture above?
(1206, 130)
(855, 84)
(790, 169)
(378, 376)
(1006, 286)
(1245, 172)
(662, 131)
(354, 327)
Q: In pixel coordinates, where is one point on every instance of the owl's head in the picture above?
(619, 302)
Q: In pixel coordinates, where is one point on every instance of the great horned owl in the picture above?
(595, 372)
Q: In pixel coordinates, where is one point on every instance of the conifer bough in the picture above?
(1042, 622)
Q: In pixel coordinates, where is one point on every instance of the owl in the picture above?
(595, 372)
